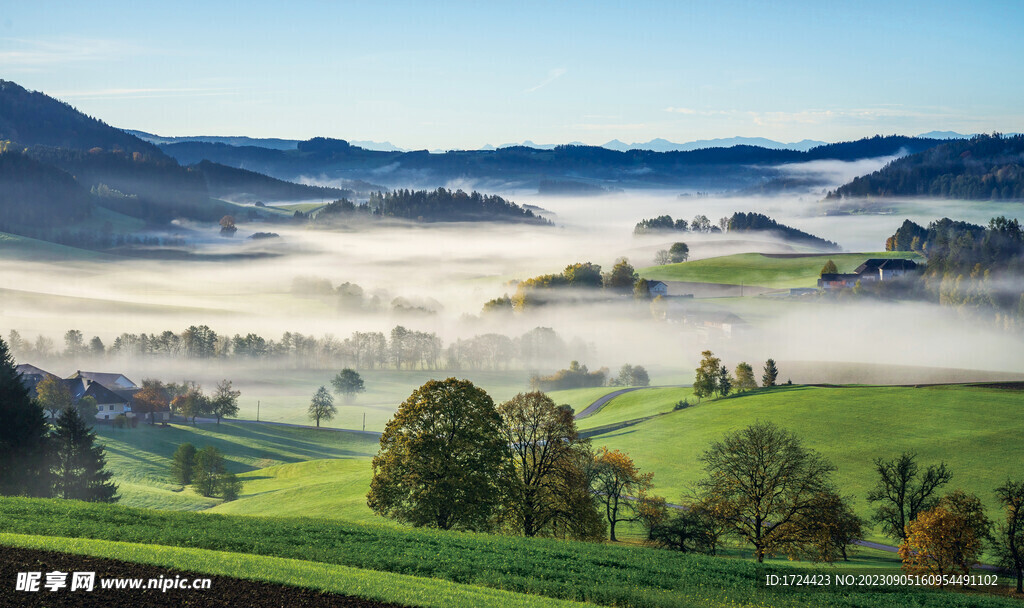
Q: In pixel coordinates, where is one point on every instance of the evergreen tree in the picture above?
(829, 268)
(771, 373)
(23, 440)
(79, 465)
(724, 381)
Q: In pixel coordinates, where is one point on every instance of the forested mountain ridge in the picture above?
(737, 166)
(244, 186)
(985, 167)
(30, 118)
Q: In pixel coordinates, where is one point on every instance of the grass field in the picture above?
(976, 431)
(761, 270)
(284, 394)
(332, 489)
(140, 458)
(332, 578)
(612, 575)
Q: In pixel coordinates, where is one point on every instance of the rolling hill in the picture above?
(850, 425)
(984, 167)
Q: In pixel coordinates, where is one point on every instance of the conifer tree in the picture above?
(23, 443)
(79, 466)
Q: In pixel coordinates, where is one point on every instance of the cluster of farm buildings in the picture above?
(114, 393)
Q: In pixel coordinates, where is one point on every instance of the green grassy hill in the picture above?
(975, 430)
(140, 458)
(332, 489)
(420, 566)
(763, 270)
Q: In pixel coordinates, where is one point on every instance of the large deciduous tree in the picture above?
(621, 489)
(348, 383)
(901, 494)
(24, 469)
(224, 403)
(79, 466)
(183, 463)
(763, 484)
(321, 407)
(705, 381)
(1010, 538)
(442, 459)
(679, 252)
(545, 466)
(151, 398)
(745, 377)
(192, 403)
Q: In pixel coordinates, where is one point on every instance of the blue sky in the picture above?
(465, 74)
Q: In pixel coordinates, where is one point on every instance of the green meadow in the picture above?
(977, 431)
(361, 559)
(763, 270)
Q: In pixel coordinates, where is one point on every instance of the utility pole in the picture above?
(257, 410)
(364, 421)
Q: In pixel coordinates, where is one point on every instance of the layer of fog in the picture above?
(461, 266)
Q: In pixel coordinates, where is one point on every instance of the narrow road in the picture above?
(601, 402)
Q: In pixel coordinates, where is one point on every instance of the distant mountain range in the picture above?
(260, 142)
(654, 145)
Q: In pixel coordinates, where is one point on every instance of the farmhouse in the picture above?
(109, 404)
(657, 288)
(31, 376)
(875, 269)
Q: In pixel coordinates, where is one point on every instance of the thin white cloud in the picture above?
(680, 110)
(553, 75)
(21, 55)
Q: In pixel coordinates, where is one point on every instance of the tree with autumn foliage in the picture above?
(622, 490)
(151, 398)
(442, 459)
(549, 472)
(53, 395)
(947, 539)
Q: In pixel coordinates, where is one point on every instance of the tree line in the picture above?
(440, 205)
(399, 349)
(582, 281)
(976, 269)
(738, 222)
(713, 378)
